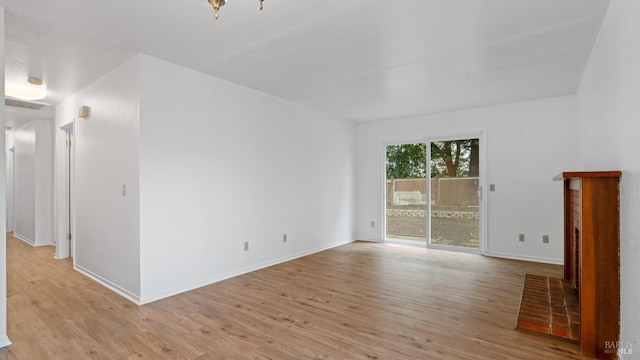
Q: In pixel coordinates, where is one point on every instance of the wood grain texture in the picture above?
(358, 301)
(587, 174)
(598, 277)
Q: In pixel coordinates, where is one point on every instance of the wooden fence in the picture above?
(455, 192)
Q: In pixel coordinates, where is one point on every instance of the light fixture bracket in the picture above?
(217, 4)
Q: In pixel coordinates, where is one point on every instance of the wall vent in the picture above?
(32, 105)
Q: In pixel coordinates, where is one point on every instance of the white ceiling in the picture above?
(355, 59)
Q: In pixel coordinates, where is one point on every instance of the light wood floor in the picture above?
(359, 301)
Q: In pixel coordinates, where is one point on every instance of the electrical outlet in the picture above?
(545, 239)
(373, 224)
(246, 246)
(521, 237)
(284, 237)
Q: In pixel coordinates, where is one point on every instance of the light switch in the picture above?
(492, 187)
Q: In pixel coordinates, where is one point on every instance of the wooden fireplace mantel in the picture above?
(592, 255)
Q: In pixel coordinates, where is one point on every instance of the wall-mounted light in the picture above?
(83, 112)
(34, 89)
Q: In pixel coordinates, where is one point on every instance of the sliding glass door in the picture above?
(433, 193)
(406, 192)
(455, 188)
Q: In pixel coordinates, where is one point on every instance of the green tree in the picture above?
(408, 161)
(455, 158)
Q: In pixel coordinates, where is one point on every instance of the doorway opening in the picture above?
(66, 245)
(433, 193)
(455, 193)
(406, 192)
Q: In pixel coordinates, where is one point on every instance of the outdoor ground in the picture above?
(456, 232)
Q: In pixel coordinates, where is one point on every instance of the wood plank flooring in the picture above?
(359, 301)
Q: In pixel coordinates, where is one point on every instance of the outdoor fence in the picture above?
(445, 192)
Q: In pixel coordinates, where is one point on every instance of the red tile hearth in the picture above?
(549, 306)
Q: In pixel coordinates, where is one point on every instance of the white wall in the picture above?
(528, 143)
(609, 119)
(43, 182)
(221, 164)
(4, 340)
(25, 188)
(106, 158)
(33, 187)
(9, 180)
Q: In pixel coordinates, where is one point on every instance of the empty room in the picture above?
(279, 179)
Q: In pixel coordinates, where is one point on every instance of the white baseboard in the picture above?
(4, 341)
(55, 256)
(24, 238)
(108, 284)
(526, 258)
(370, 240)
(145, 299)
(44, 244)
(31, 242)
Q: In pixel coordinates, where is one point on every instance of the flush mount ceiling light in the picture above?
(34, 89)
(218, 3)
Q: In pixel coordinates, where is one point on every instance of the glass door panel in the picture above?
(406, 192)
(454, 193)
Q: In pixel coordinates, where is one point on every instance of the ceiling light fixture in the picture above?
(33, 90)
(218, 3)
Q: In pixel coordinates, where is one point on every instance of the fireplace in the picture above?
(575, 278)
(592, 255)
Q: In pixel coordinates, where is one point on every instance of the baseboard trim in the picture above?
(4, 341)
(108, 284)
(24, 238)
(370, 240)
(224, 276)
(44, 244)
(526, 258)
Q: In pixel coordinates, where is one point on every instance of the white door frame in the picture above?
(482, 223)
(482, 191)
(65, 247)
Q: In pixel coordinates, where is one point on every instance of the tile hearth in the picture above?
(549, 306)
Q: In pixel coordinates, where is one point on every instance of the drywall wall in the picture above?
(528, 143)
(43, 182)
(33, 187)
(609, 124)
(9, 145)
(107, 245)
(4, 340)
(33, 182)
(25, 188)
(220, 165)
(9, 180)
